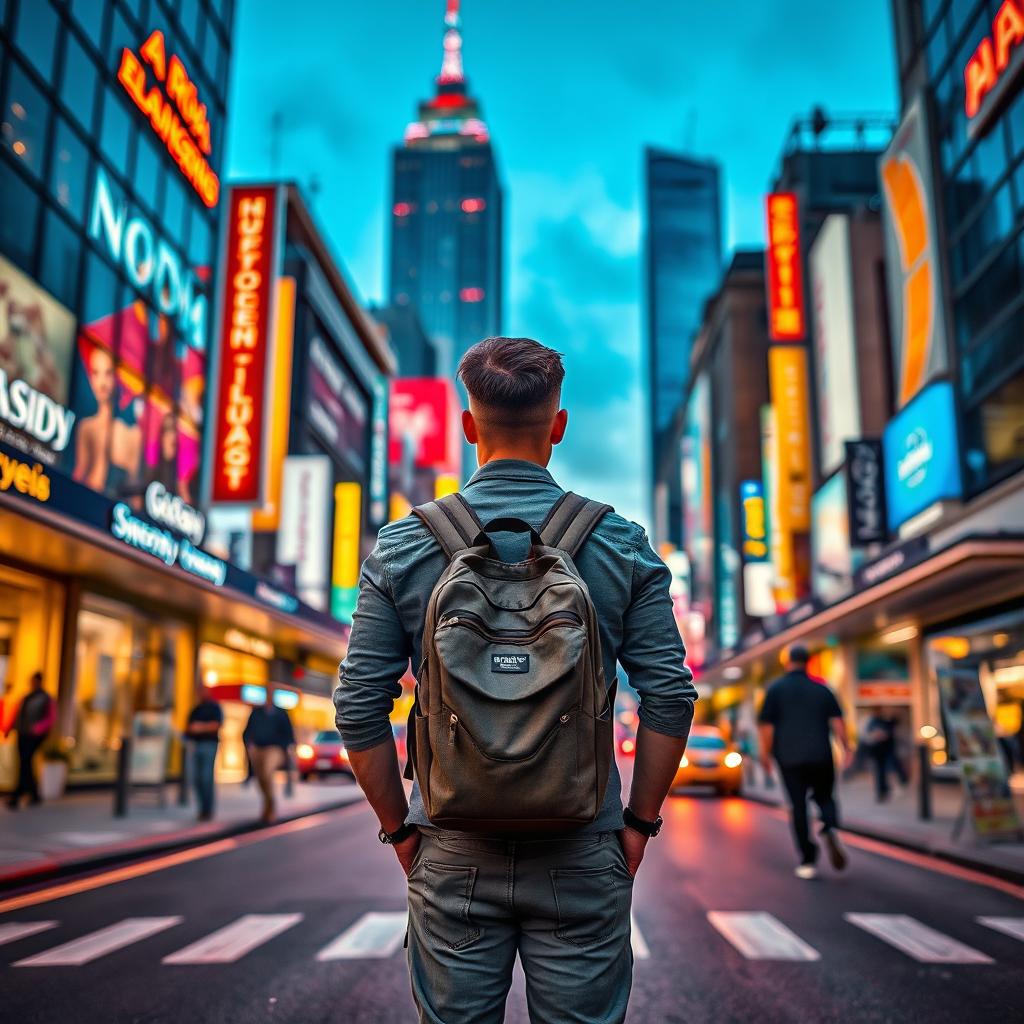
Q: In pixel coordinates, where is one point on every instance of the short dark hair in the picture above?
(510, 377)
(798, 654)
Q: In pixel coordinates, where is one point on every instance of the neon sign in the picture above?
(997, 64)
(150, 262)
(241, 400)
(175, 114)
(786, 313)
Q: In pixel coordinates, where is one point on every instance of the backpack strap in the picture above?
(452, 522)
(571, 521)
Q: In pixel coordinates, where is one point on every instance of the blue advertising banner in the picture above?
(922, 456)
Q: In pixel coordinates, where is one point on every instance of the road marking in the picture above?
(917, 940)
(96, 944)
(22, 929)
(374, 936)
(636, 938)
(760, 936)
(1012, 926)
(231, 943)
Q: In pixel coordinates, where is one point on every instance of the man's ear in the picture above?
(469, 427)
(558, 427)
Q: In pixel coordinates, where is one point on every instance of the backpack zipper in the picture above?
(510, 636)
(452, 723)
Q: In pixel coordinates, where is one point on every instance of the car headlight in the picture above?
(685, 763)
(305, 751)
(733, 759)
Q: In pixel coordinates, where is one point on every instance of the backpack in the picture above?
(511, 728)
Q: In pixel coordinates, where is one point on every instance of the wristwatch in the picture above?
(400, 834)
(645, 828)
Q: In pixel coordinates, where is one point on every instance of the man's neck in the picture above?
(538, 458)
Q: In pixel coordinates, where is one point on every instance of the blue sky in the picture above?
(572, 91)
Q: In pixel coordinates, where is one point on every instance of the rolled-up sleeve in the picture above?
(652, 650)
(378, 654)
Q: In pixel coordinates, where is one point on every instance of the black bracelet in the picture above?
(400, 834)
(645, 828)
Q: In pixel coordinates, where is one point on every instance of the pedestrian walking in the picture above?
(34, 719)
(514, 600)
(203, 732)
(880, 743)
(268, 739)
(799, 716)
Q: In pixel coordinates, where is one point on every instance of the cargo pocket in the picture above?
(587, 902)
(448, 892)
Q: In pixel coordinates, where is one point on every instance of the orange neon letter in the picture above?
(1008, 29)
(979, 77)
(155, 54)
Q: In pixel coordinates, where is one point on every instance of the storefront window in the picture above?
(36, 34)
(69, 170)
(78, 89)
(126, 663)
(19, 211)
(62, 256)
(26, 114)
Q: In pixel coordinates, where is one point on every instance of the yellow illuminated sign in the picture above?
(348, 504)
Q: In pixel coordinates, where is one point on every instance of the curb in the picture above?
(857, 828)
(50, 867)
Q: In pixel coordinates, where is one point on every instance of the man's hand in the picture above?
(633, 846)
(406, 851)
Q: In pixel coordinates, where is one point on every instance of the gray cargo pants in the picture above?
(562, 904)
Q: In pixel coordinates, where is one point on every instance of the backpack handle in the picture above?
(507, 524)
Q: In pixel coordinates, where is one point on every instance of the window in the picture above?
(188, 15)
(19, 209)
(89, 14)
(938, 48)
(148, 172)
(200, 252)
(36, 34)
(101, 299)
(174, 208)
(78, 89)
(25, 117)
(992, 225)
(211, 49)
(999, 351)
(116, 131)
(62, 256)
(995, 435)
(69, 170)
(995, 289)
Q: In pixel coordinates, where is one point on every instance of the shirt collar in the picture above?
(511, 469)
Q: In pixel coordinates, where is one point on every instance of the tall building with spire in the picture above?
(446, 214)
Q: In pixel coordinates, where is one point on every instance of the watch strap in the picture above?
(646, 828)
(400, 834)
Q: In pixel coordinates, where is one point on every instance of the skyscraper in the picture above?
(446, 214)
(683, 250)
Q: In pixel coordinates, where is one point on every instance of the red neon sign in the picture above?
(997, 61)
(786, 311)
(175, 113)
(240, 409)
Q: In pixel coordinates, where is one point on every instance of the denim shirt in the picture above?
(628, 583)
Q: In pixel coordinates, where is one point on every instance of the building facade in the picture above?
(683, 266)
(445, 221)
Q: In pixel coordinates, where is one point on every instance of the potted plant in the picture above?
(54, 776)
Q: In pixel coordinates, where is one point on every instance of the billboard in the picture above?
(787, 377)
(913, 273)
(832, 558)
(305, 528)
(787, 314)
(379, 453)
(240, 411)
(865, 492)
(922, 454)
(754, 521)
(348, 503)
(831, 276)
(337, 408)
(424, 420)
(37, 337)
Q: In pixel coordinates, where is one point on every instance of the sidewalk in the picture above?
(896, 821)
(80, 830)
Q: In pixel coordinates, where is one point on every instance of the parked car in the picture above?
(710, 761)
(326, 755)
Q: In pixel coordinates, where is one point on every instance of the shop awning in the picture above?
(913, 586)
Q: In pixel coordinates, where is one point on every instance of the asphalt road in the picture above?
(724, 933)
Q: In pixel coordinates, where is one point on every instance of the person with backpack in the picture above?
(35, 717)
(515, 599)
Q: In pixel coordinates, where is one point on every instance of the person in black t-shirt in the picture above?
(799, 716)
(35, 717)
(203, 730)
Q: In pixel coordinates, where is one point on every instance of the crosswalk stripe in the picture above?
(917, 940)
(22, 929)
(232, 942)
(760, 936)
(99, 943)
(1012, 926)
(636, 938)
(374, 936)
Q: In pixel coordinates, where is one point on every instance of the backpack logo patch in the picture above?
(510, 663)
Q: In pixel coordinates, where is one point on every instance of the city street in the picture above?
(305, 922)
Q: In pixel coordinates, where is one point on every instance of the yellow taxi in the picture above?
(710, 761)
